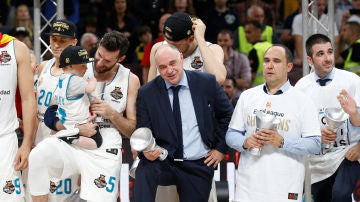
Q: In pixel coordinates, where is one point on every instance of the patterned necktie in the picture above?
(323, 82)
(177, 117)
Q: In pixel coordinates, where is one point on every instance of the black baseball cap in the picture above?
(178, 26)
(19, 31)
(63, 28)
(73, 55)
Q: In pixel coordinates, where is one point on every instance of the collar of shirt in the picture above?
(183, 81)
(283, 88)
(330, 75)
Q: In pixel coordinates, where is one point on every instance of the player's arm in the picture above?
(28, 103)
(127, 124)
(213, 55)
(153, 69)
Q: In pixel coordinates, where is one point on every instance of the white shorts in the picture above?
(10, 180)
(99, 176)
(60, 190)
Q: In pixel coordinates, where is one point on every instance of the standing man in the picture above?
(280, 167)
(333, 174)
(99, 168)
(62, 34)
(193, 137)
(187, 35)
(15, 71)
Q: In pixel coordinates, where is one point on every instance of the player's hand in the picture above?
(101, 108)
(153, 154)
(213, 158)
(353, 154)
(327, 135)
(21, 158)
(199, 29)
(253, 141)
(87, 129)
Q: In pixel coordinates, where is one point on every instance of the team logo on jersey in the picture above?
(52, 187)
(268, 104)
(4, 57)
(117, 93)
(100, 181)
(9, 187)
(293, 196)
(197, 63)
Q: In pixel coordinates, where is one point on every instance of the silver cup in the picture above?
(98, 93)
(133, 167)
(334, 118)
(142, 141)
(263, 121)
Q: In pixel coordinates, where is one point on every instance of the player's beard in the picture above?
(103, 69)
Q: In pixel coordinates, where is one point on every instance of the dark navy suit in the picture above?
(213, 113)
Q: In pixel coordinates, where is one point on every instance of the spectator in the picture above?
(121, 20)
(286, 37)
(280, 164)
(220, 17)
(349, 59)
(236, 63)
(24, 19)
(333, 173)
(297, 30)
(89, 41)
(145, 62)
(256, 54)
(184, 6)
(231, 90)
(254, 13)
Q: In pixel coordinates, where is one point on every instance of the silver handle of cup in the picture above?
(133, 167)
(253, 150)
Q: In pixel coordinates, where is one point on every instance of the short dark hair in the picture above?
(315, 39)
(233, 80)
(354, 26)
(114, 41)
(288, 54)
(256, 24)
(226, 31)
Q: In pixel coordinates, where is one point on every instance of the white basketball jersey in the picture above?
(115, 95)
(71, 110)
(8, 84)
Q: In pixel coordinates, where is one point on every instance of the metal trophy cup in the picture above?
(98, 93)
(133, 167)
(142, 141)
(264, 121)
(334, 118)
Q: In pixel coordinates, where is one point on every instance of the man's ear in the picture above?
(121, 58)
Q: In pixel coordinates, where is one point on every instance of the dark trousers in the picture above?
(192, 179)
(339, 186)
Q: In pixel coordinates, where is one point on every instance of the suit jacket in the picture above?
(212, 108)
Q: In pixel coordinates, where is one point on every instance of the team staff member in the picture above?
(99, 168)
(194, 137)
(187, 34)
(333, 174)
(280, 167)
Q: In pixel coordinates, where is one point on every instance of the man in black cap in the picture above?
(187, 33)
(62, 34)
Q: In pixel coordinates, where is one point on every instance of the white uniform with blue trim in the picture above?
(60, 189)
(10, 180)
(99, 168)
